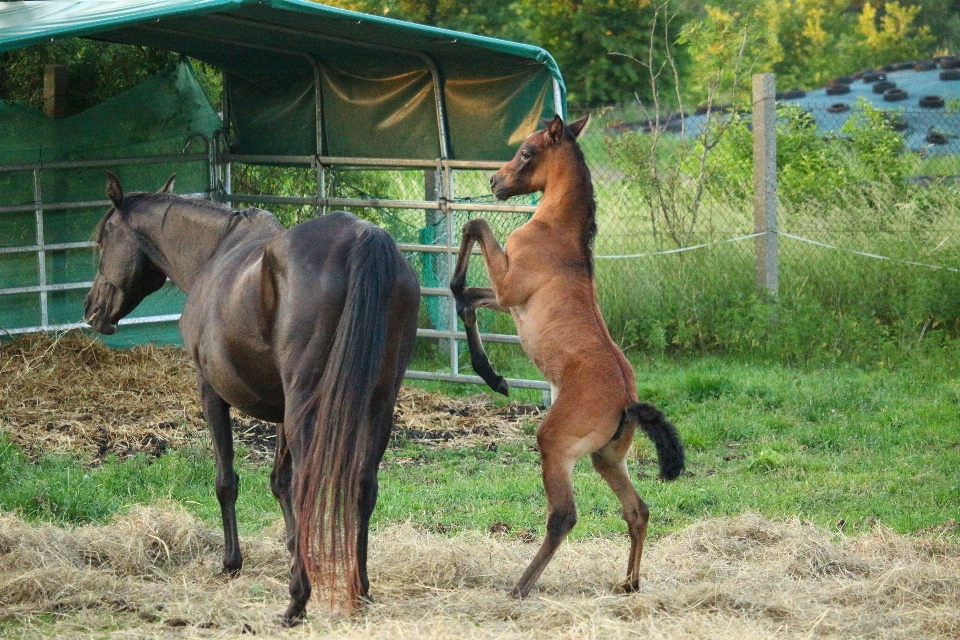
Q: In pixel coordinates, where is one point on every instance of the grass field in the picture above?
(819, 455)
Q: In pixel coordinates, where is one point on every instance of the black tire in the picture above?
(838, 107)
(793, 94)
(924, 65)
(895, 95)
(931, 102)
(896, 121)
(873, 76)
(838, 89)
(935, 137)
(883, 86)
(950, 74)
(950, 62)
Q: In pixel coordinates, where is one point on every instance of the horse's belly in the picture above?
(259, 395)
(243, 375)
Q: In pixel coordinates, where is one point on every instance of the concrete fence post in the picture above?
(766, 246)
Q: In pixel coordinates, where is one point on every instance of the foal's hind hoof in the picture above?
(629, 586)
(516, 594)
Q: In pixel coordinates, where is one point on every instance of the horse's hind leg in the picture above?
(561, 515)
(281, 478)
(610, 462)
(217, 413)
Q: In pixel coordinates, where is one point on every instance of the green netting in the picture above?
(166, 116)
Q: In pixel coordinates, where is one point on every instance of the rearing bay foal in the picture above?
(544, 278)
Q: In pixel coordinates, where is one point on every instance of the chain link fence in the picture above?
(867, 229)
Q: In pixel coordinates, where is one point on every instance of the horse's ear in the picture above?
(579, 126)
(114, 190)
(555, 129)
(168, 188)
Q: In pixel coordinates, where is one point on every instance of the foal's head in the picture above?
(541, 154)
(125, 275)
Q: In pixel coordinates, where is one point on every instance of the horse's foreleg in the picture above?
(494, 257)
(610, 463)
(468, 299)
(474, 298)
(217, 413)
(280, 480)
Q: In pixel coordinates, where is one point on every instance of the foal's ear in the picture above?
(168, 188)
(555, 129)
(114, 190)
(579, 126)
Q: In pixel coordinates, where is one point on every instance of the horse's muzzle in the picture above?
(499, 189)
(95, 313)
(98, 320)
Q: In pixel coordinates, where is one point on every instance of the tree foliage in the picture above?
(606, 49)
(95, 70)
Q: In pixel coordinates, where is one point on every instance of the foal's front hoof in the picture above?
(232, 570)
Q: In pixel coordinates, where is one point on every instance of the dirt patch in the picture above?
(71, 394)
(154, 573)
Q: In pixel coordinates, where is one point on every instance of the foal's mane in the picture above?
(588, 232)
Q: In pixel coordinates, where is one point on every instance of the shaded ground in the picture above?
(72, 394)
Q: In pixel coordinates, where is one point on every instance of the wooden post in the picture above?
(765, 183)
(55, 90)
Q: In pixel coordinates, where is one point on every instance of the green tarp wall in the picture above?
(165, 115)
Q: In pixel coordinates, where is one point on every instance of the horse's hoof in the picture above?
(629, 586)
(232, 571)
(516, 594)
(502, 387)
(291, 621)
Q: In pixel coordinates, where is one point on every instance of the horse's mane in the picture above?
(589, 231)
(141, 198)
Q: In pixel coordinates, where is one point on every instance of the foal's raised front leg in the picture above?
(468, 299)
(217, 413)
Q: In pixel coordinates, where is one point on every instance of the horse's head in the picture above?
(540, 153)
(125, 275)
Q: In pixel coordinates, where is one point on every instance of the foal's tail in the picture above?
(664, 436)
(341, 437)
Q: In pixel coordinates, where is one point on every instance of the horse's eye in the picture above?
(524, 155)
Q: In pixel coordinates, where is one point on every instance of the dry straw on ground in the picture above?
(72, 394)
(154, 573)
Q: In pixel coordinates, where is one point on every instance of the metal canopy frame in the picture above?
(221, 160)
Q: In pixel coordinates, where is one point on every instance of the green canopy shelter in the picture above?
(305, 86)
(303, 78)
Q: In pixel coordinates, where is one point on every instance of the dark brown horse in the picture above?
(544, 278)
(312, 327)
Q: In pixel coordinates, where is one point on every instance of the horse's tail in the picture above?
(664, 436)
(340, 435)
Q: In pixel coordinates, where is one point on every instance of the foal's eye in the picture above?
(525, 155)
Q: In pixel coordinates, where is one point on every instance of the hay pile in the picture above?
(71, 394)
(155, 573)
